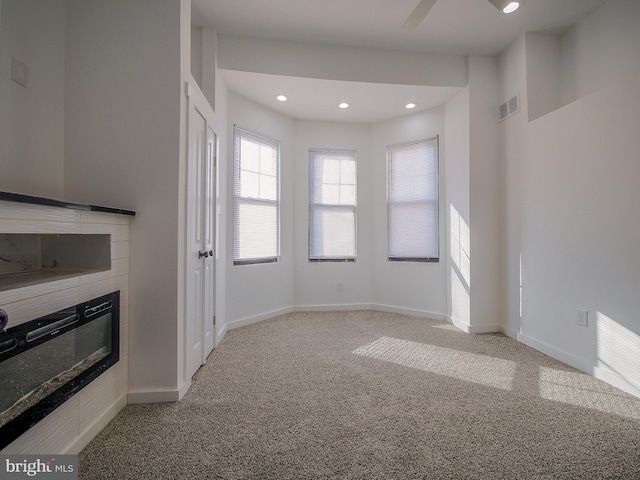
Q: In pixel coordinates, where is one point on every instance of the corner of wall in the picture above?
(542, 73)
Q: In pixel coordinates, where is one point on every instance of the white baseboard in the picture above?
(329, 308)
(155, 396)
(458, 324)
(476, 329)
(184, 388)
(510, 332)
(409, 311)
(489, 328)
(95, 428)
(326, 308)
(243, 322)
(220, 334)
(576, 362)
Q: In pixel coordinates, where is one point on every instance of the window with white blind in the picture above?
(256, 186)
(332, 205)
(412, 201)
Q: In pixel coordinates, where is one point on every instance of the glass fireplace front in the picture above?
(46, 361)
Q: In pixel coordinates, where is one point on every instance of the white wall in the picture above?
(32, 118)
(457, 210)
(600, 49)
(316, 282)
(340, 62)
(572, 186)
(543, 88)
(254, 291)
(484, 196)
(412, 286)
(580, 252)
(124, 86)
(196, 54)
(511, 81)
(474, 262)
(210, 67)
(418, 288)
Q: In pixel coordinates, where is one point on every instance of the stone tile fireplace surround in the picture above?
(54, 255)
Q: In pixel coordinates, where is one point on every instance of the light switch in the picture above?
(19, 72)
(583, 318)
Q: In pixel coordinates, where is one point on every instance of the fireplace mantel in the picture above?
(50, 202)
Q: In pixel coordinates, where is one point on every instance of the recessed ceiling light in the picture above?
(344, 105)
(281, 98)
(512, 7)
(411, 105)
(507, 6)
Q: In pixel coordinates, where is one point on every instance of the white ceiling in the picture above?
(460, 27)
(316, 99)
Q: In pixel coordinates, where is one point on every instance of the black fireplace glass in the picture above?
(46, 361)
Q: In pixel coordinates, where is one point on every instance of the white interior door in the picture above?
(201, 235)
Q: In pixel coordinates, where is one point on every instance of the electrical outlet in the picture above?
(339, 287)
(583, 318)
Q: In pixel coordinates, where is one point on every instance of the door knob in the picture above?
(203, 254)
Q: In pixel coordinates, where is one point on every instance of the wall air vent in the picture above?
(508, 108)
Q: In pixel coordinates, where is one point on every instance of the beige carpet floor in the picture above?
(373, 395)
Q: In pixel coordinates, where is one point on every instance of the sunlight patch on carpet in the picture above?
(582, 390)
(465, 366)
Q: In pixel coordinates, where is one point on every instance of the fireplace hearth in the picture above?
(46, 361)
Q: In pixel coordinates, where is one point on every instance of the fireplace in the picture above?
(46, 361)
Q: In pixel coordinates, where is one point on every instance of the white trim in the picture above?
(510, 332)
(328, 308)
(220, 335)
(477, 329)
(90, 432)
(156, 396)
(576, 362)
(243, 322)
(200, 101)
(459, 325)
(489, 328)
(410, 311)
(184, 388)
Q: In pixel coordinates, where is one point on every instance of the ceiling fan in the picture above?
(424, 6)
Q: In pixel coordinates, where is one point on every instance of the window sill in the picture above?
(419, 260)
(255, 261)
(334, 260)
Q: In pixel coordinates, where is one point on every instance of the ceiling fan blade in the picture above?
(417, 16)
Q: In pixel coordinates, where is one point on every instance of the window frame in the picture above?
(261, 139)
(313, 152)
(426, 201)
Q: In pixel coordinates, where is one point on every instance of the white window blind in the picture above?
(413, 201)
(256, 185)
(332, 205)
